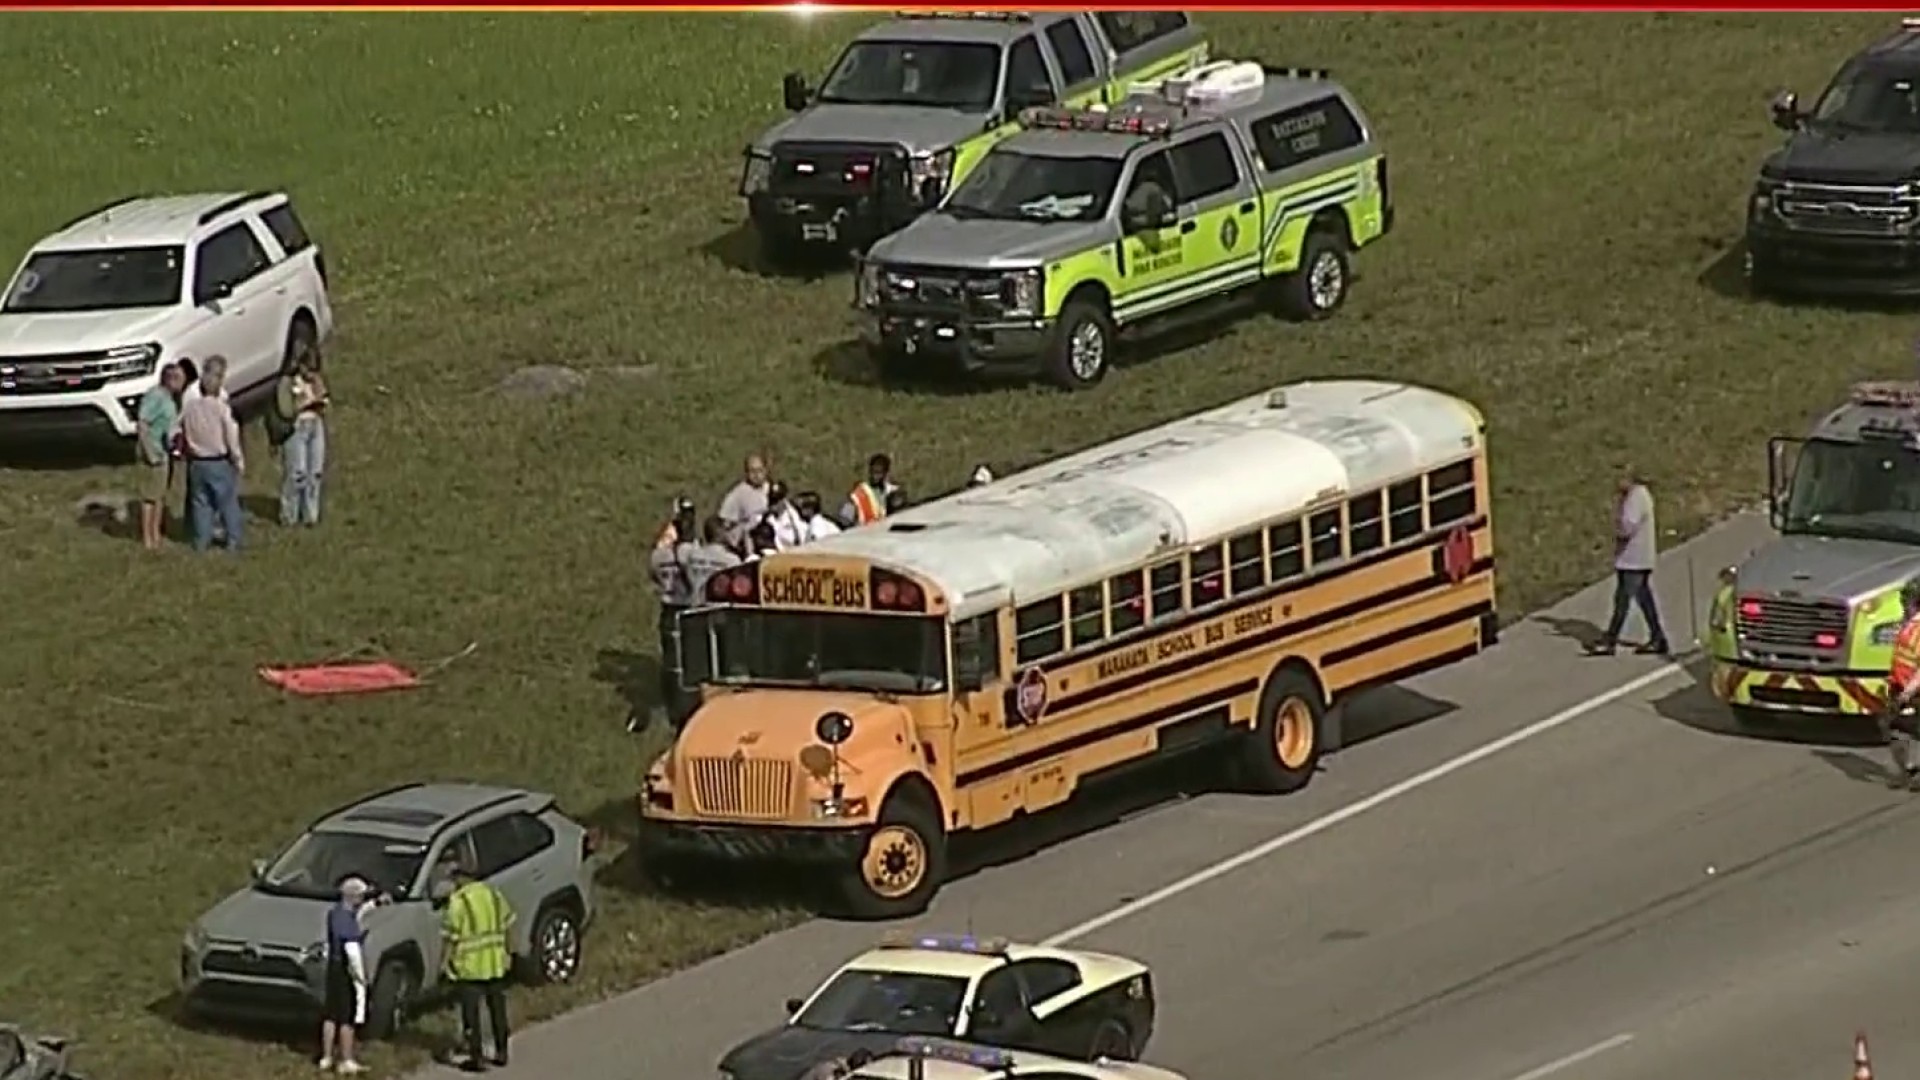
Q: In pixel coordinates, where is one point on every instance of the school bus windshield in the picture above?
(895, 654)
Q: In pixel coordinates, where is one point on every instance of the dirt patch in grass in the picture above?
(498, 192)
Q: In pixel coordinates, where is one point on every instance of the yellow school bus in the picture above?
(1219, 582)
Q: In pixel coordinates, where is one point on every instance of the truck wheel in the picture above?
(1082, 346)
(390, 1002)
(1283, 749)
(555, 946)
(902, 863)
(1112, 1041)
(302, 340)
(1319, 288)
(893, 364)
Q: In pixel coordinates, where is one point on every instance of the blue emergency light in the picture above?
(956, 943)
(927, 1046)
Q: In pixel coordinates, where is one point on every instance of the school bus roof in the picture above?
(1204, 477)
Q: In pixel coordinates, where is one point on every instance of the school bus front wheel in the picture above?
(902, 862)
(1282, 751)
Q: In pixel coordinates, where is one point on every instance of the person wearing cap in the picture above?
(814, 524)
(867, 502)
(1897, 721)
(788, 529)
(475, 931)
(346, 990)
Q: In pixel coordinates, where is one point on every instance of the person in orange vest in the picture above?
(867, 502)
(1897, 721)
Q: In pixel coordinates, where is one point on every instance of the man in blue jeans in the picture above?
(215, 459)
(1636, 549)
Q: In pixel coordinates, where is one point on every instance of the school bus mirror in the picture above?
(833, 728)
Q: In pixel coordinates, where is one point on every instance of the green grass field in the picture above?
(496, 192)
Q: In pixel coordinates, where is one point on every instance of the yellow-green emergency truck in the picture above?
(1228, 182)
(914, 103)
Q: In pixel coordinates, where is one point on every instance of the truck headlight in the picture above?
(195, 941)
(1021, 293)
(866, 285)
(930, 174)
(130, 360)
(313, 953)
(1761, 203)
(1884, 634)
(757, 172)
(839, 809)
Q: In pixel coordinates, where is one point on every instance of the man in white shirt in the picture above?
(816, 525)
(788, 530)
(746, 503)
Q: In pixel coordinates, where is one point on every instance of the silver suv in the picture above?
(260, 953)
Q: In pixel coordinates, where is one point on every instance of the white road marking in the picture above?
(1576, 1057)
(1355, 809)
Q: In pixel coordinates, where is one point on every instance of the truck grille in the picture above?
(741, 787)
(66, 373)
(833, 170)
(1816, 625)
(232, 962)
(927, 290)
(1827, 208)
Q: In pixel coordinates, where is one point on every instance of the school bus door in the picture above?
(981, 699)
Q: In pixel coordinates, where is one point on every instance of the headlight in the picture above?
(866, 285)
(758, 171)
(314, 953)
(1885, 633)
(133, 360)
(930, 174)
(196, 940)
(839, 809)
(1021, 293)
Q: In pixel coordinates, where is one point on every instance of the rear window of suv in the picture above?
(287, 228)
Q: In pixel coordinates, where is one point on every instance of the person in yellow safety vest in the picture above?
(474, 929)
(868, 501)
(1897, 721)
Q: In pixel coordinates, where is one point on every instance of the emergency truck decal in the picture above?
(1294, 206)
(1736, 686)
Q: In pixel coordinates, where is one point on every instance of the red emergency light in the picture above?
(741, 586)
(1752, 609)
(1826, 641)
(891, 592)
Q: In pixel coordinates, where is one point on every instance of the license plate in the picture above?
(822, 231)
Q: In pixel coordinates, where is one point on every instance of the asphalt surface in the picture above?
(1551, 866)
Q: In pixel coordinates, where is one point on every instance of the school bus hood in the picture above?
(780, 723)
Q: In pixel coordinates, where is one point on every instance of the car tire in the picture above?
(390, 1002)
(1282, 751)
(1081, 351)
(302, 338)
(1318, 289)
(893, 364)
(554, 950)
(1112, 1041)
(901, 865)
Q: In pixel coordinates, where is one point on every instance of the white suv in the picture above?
(98, 306)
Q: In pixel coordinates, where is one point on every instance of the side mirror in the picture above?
(258, 869)
(440, 892)
(794, 91)
(213, 294)
(793, 1006)
(1785, 110)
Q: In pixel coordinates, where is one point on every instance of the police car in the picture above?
(1078, 1005)
(1232, 180)
(942, 1059)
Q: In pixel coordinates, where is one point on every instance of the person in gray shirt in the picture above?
(696, 562)
(706, 557)
(1635, 551)
(746, 503)
(674, 588)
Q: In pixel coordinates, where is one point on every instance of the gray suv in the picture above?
(260, 953)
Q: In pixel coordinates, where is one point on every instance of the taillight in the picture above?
(891, 592)
(740, 586)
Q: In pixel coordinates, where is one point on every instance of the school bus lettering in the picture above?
(1149, 602)
(1121, 663)
(815, 588)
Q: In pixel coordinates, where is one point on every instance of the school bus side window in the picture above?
(1127, 602)
(1038, 631)
(1451, 498)
(1406, 512)
(976, 651)
(1167, 583)
(1246, 563)
(1323, 537)
(1365, 530)
(1286, 553)
(1207, 572)
(1086, 606)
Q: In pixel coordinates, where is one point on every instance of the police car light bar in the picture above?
(986, 1057)
(1090, 120)
(956, 943)
(992, 16)
(1891, 394)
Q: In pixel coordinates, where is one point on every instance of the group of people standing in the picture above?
(189, 434)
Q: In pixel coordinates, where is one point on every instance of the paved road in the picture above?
(1560, 869)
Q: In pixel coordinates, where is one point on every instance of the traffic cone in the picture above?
(1862, 1064)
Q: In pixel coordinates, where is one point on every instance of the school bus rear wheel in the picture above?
(902, 863)
(1283, 750)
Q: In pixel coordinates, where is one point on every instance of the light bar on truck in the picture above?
(1093, 120)
(1892, 394)
(954, 943)
(926, 1046)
